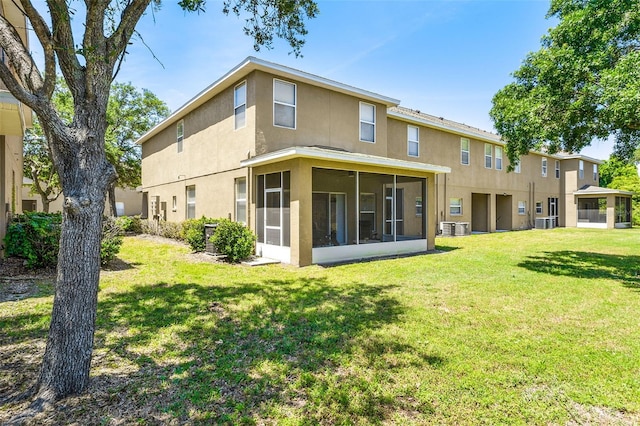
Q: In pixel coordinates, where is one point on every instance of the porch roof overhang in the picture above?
(596, 190)
(11, 118)
(341, 157)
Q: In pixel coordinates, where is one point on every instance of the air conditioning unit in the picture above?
(544, 222)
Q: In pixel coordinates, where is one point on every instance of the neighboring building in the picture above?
(128, 201)
(14, 118)
(323, 171)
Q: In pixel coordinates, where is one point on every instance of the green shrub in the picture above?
(130, 224)
(112, 232)
(34, 237)
(234, 240)
(193, 232)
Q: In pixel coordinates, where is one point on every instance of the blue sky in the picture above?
(446, 58)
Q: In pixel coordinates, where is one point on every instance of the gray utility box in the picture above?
(209, 230)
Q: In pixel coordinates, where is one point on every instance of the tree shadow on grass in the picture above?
(218, 354)
(580, 264)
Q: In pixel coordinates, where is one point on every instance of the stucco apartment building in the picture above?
(14, 118)
(323, 171)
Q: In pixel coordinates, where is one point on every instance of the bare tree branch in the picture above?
(64, 45)
(43, 32)
(117, 42)
(27, 76)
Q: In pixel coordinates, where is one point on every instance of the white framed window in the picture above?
(284, 104)
(522, 207)
(517, 168)
(367, 122)
(595, 172)
(544, 167)
(455, 206)
(191, 202)
(174, 204)
(538, 207)
(581, 170)
(413, 141)
(498, 158)
(488, 155)
(241, 200)
(418, 206)
(240, 105)
(180, 135)
(464, 151)
(557, 169)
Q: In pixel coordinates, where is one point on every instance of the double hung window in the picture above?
(240, 105)
(284, 104)
(367, 122)
(413, 141)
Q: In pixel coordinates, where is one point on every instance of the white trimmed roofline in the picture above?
(478, 134)
(342, 157)
(249, 65)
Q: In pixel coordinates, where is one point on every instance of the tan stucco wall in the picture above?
(10, 180)
(324, 118)
(210, 143)
(131, 198)
(440, 147)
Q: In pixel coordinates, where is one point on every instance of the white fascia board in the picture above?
(251, 64)
(479, 136)
(604, 191)
(579, 157)
(342, 157)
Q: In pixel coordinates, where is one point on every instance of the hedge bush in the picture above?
(35, 237)
(234, 240)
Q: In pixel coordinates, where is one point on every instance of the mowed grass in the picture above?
(531, 327)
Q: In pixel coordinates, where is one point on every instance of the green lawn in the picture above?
(532, 327)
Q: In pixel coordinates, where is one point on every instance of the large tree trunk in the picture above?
(45, 204)
(85, 175)
(67, 359)
(112, 200)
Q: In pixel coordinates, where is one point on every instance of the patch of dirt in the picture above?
(17, 282)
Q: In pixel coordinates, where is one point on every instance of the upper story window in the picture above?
(581, 170)
(595, 172)
(544, 167)
(488, 155)
(367, 122)
(180, 135)
(557, 169)
(240, 105)
(464, 151)
(498, 158)
(284, 104)
(413, 141)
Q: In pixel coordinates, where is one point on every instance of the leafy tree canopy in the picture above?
(583, 84)
(130, 113)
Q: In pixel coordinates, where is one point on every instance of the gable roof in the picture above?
(597, 190)
(251, 64)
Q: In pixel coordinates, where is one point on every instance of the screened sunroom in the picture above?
(318, 205)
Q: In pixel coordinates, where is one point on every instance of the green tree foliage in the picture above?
(616, 173)
(130, 113)
(583, 84)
